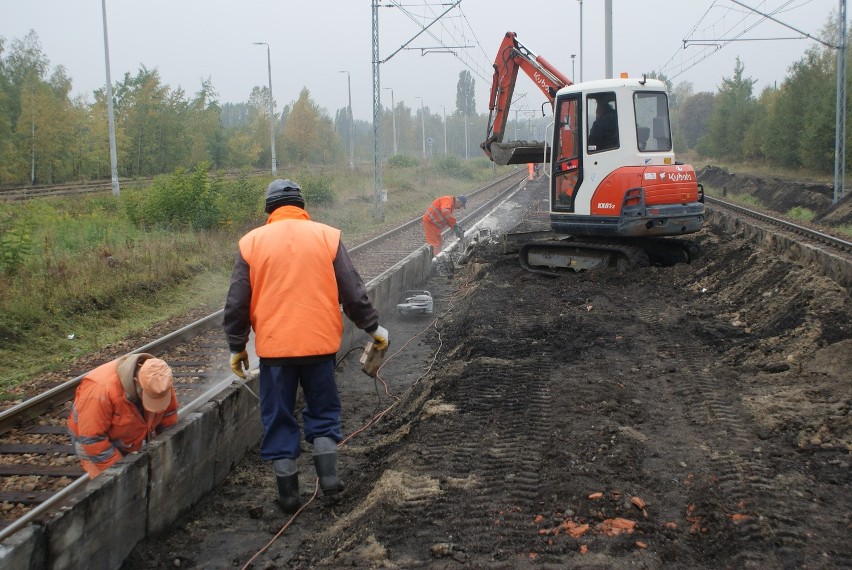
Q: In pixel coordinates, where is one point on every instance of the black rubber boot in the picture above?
(326, 465)
(288, 493)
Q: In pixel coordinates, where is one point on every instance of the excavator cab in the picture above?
(613, 171)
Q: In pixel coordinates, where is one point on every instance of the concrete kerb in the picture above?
(147, 491)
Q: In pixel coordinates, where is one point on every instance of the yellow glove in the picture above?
(239, 361)
(380, 336)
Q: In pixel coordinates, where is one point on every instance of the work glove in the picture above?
(458, 231)
(239, 361)
(380, 336)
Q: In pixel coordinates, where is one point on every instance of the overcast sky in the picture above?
(311, 41)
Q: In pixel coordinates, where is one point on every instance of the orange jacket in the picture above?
(107, 420)
(295, 306)
(440, 212)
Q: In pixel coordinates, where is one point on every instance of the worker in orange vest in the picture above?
(118, 407)
(439, 216)
(289, 281)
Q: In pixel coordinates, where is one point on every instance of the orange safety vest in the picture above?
(295, 306)
(105, 425)
(440, 213)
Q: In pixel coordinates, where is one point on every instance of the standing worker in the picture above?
(289, 280)
(439, 216)
(118, 407)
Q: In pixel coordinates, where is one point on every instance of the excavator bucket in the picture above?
(519, 152)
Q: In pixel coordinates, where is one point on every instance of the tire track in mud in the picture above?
(734, 467)
(478, 442)
(497, 462)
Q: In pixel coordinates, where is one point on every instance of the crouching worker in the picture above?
(439, 216)
(290, 278)
(118, 407)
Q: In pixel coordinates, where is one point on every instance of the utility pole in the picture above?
(608, 38)
(271, 107)
(840, 109)
(379, 196)
(351, 125)
(379, 208)
(113, 159)
(466, 144)
(423, 123)
(444, 107)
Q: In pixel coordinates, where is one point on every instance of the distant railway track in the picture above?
(21, 193)
(38, 467)
(840, 246)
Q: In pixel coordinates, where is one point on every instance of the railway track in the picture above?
(19, 193)
(38, 467)
(812, 235)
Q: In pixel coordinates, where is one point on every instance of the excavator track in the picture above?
(556, 256)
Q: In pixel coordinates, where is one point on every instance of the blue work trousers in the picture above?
(321, 414)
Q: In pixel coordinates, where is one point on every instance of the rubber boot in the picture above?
(325, 462)
(287, 478)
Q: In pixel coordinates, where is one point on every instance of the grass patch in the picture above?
(801, 213)
(845, 230)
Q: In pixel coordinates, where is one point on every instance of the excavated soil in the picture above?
(681, 417)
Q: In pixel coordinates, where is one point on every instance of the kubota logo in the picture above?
(680, 177)
(539, 79)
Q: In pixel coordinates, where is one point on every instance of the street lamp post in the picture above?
(113, 160)
(351, 122)
(393, 117)
(581, 40)
(573, 55)
(423, 123)
(271, 107)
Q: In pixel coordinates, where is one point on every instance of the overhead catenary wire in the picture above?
(729, 34)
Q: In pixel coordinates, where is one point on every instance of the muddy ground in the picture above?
(682, 417)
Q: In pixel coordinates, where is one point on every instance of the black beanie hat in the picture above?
(283, 193)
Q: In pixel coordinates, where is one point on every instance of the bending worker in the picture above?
(289, 280)
(439, 216)
(118, 407)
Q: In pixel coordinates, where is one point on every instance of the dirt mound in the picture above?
(780, 195)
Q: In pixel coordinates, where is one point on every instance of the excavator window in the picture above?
(653, 133)
(567, 153)
(603, 122)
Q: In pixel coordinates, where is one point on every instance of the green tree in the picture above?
(732, 115)
(258, 125)
(309, 135)
(7, 149)
(694, 117)
(139, 103)
(206, 139)
(466, 94)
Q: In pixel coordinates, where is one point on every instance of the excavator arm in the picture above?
(512, 57)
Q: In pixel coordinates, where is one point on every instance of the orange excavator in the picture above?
(616, 192)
